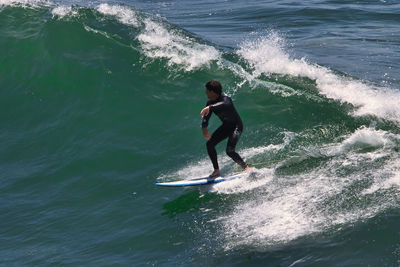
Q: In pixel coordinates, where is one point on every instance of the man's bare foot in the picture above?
(249, 169)
(215, 174)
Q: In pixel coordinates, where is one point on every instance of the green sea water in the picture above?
(101, 102)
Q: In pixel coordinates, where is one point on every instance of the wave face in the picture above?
(99, 102)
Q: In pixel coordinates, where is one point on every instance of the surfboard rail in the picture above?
(200, 181)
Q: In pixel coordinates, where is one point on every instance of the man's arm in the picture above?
(205, 114)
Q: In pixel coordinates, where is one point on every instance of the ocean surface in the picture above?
(100, 100)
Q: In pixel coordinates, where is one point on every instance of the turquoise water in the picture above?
(101, 100)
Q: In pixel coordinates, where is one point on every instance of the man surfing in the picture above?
(231, 127)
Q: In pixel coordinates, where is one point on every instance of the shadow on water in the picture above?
(192, 201)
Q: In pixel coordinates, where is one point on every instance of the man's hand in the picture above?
(206, 133)
(205, 111)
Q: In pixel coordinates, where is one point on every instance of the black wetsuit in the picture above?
(231, 128)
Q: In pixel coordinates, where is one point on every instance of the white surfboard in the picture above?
(202, 180)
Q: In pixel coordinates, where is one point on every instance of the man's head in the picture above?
(213, 89)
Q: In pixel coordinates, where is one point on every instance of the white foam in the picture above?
(266, 55)
(250, 181)
(158, 42)
(388, 178)
(25, 3)
(365, 144)
(278, 216)
(367, 138)
(179, 50)
(254, 83)
(62, 11)
(394, 180)
(293, 206)
(124, 14)
(287, 211)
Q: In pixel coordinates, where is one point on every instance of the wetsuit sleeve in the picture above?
(219, 106)
(204, 122)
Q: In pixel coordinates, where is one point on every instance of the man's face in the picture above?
(211, 95)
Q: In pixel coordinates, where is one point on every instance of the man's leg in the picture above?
(230, 148)
(220, 134)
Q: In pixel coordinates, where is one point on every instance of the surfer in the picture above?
(231, 127)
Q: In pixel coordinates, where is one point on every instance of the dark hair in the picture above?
(214, 86)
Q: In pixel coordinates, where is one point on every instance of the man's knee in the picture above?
(210, 144)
